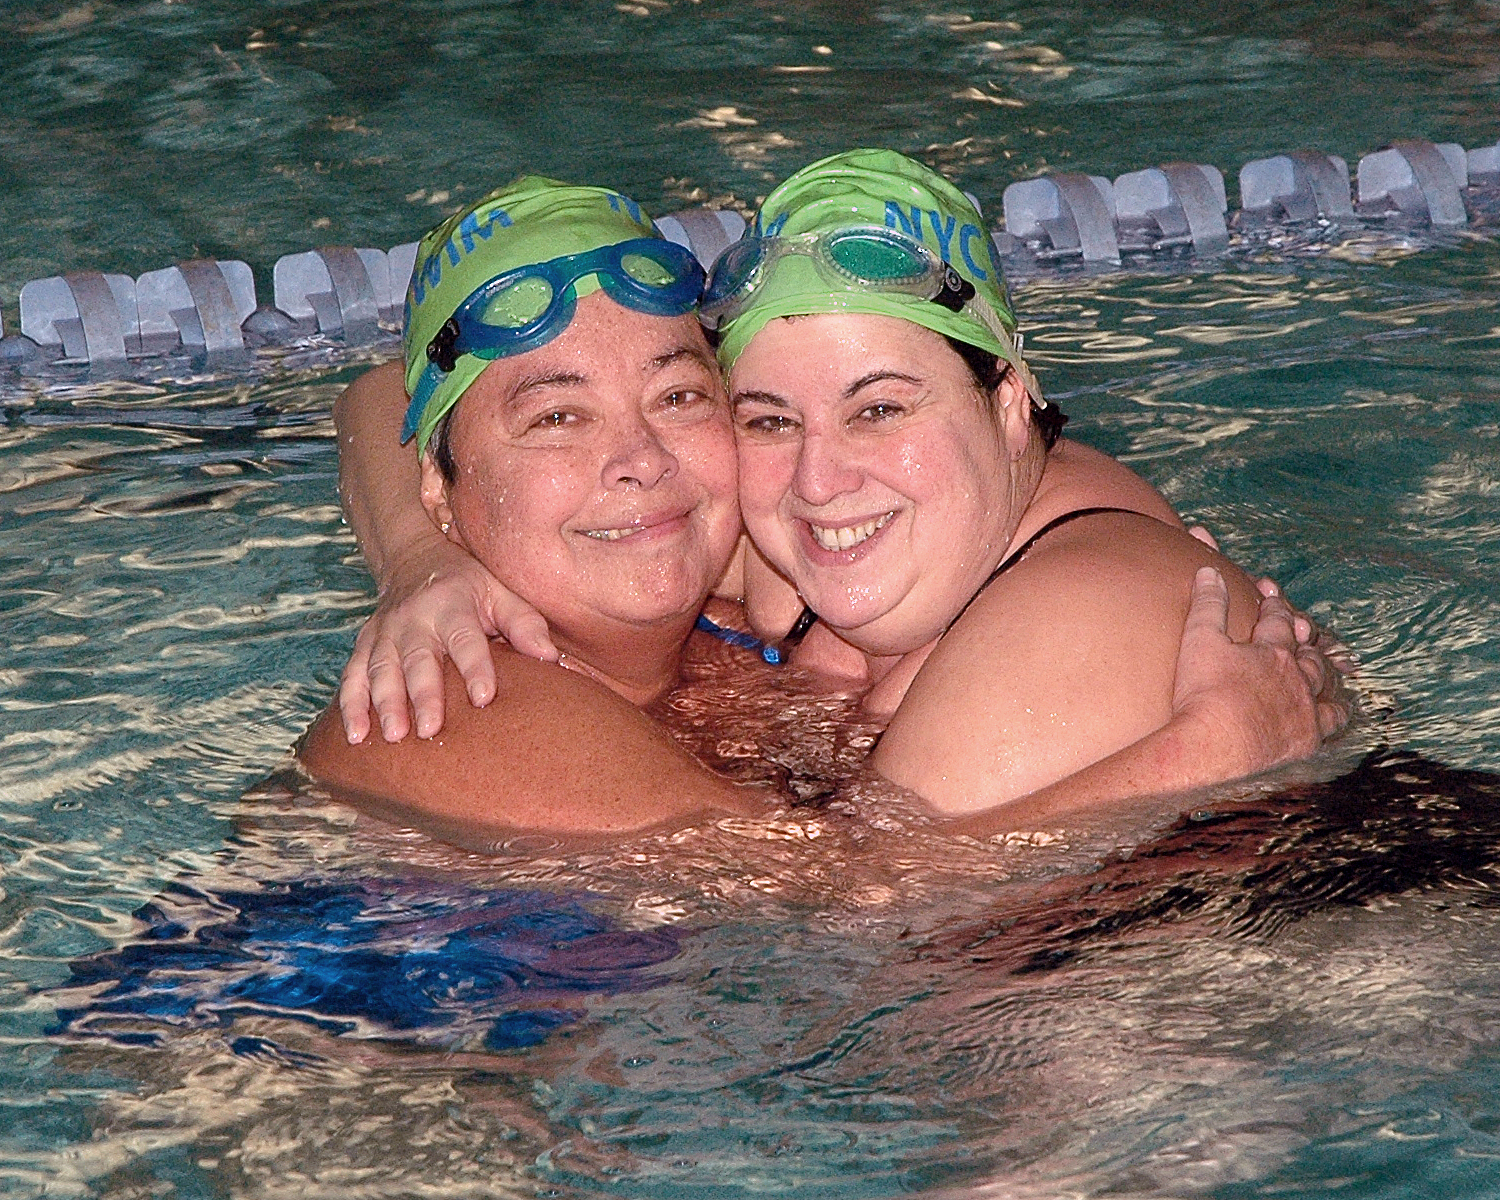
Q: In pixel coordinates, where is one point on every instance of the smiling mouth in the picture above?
(655, 523)
(846, 537)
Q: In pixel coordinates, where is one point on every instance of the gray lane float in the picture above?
(1176, 204)
(198, 305)
(1304, 185)
(1417, 179)
(207, 310)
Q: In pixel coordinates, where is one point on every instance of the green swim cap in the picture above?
(532, 220)
(879, 187)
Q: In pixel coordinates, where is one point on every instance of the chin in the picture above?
(664, 602)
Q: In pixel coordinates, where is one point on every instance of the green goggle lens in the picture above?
(646, 271)
(875, 259)
(520, 304)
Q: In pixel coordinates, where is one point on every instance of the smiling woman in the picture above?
(580, 449)
(1013, 603)
(595, 475)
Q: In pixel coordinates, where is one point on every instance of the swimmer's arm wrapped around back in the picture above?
(1238, 708)
(436, 601)
(1075, 656)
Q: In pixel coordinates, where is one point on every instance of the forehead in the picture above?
(835, 344)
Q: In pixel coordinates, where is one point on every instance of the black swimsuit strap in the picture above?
(1025, 548)
(809, 618)
(806, 619)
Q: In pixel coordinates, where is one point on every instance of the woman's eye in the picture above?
(769, 423)
(683, 398)
(554, 419)
(879, 412)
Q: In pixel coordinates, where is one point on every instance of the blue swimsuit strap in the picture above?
(745, 641)
(775, 655)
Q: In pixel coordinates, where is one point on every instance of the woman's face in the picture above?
(596, 474)
(871, 473)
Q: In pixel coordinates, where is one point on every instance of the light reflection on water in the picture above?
(844, 1013)
(183, 608)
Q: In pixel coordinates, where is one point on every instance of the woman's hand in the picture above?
(1309, 633)
(438, 602)
(1270, 700)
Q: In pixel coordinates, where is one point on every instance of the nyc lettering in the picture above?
(943, 230)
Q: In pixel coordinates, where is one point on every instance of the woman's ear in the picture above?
(1013, 404)
(435, 499)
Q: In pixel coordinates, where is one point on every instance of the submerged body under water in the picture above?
(837, 986)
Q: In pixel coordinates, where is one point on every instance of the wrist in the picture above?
(1212, 742)
(420, 558)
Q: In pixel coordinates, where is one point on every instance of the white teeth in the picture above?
(849, 536)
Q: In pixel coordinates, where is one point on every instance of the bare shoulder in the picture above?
(1078, 476)
(555, 751)
(381, 381)
(382, 386)
(1066, 657)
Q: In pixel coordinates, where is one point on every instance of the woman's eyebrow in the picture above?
(749, 396)
(662, 361)
(865, 381)
(529, 383)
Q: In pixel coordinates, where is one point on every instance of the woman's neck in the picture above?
(639, 663)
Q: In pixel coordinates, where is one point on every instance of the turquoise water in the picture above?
(177, 594)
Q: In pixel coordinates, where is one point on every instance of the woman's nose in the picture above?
(825, 470)
(639, 460)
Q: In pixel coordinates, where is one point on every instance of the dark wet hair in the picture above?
(988, 370)
(441, 449)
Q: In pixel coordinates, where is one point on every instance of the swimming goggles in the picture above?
(528, 306)
(865, 257)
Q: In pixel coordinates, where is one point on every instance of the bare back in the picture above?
(1067, 656)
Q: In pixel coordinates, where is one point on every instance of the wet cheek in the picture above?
(765, 477)
(715, 467)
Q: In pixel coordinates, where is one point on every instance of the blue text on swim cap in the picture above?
(430, 274)
(627, 205)
(944, 229)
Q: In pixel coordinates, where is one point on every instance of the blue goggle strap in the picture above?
(426, 385)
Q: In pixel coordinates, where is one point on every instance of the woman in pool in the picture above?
(599, 406)
(1010, 600)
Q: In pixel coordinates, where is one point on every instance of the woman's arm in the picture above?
(436, 601)
(1069, 661)
(1238, 708)
(556, 752)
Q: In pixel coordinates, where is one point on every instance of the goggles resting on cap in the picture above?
(867, 257)
(521, 309)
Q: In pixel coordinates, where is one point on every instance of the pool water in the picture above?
(209, 993)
